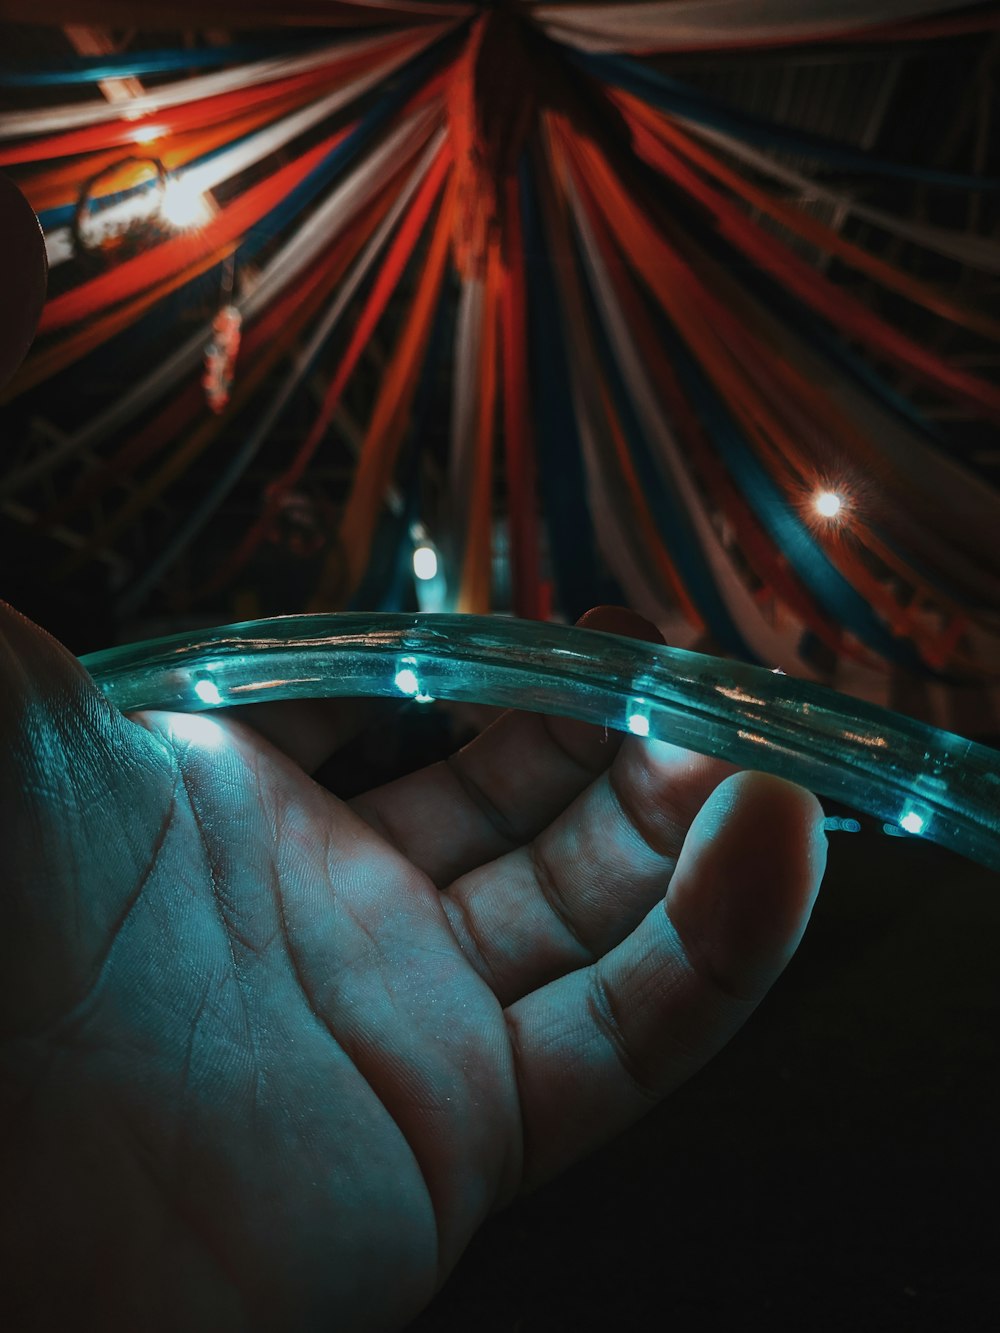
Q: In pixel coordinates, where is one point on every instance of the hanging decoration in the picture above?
(704, 385)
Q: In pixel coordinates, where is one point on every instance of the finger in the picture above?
(85, 797)
(589, 878)
(309, 731)
(503, 787)
(597, 1048)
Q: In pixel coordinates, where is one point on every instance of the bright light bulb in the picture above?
(828, 505)
(912, 822)
(184, 206)
(208, 692)
(407, 682)
(425, 563)
(638, 725)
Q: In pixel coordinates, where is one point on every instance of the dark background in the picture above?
(834, 1169)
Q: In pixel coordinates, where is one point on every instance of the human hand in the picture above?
(267, 1060)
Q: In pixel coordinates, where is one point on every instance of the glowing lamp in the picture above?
(425, 563)
(828, 504)
(184, 206)
(638, 725)
(912, 822)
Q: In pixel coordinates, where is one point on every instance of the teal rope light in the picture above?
(929, 782)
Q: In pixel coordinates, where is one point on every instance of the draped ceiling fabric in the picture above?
(644, 324)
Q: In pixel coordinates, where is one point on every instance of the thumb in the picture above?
(85, 796)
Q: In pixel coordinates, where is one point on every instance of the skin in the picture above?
(267, 1060)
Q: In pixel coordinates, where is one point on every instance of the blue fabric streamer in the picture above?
(388, 581)
(134, 64)
(673, 522)
(325, 172)
(813, 332)
(831, 589)
(679, 98)
(562, 482)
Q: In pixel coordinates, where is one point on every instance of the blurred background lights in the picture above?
(184, 206)
(425, 563)
(828, 504)
(208, 692)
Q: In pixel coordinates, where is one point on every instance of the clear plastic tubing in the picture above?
(929, 782)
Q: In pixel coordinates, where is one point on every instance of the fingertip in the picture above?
(620, 620)
(747, 879)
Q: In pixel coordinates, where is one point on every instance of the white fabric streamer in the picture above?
(677, 24)
(137, 592)
(76, 115)
(223, 167)
(311, 238)
(979, 252)
(769, 642)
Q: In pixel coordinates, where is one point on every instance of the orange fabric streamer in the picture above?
(202, 437)
(652, 128)
(346, 565)
(491, 105)
(52, 359)
(61, 185)
(187, 248)
(388, 279)
(688, 305)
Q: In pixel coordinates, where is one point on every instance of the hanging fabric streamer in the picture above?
(666, 313)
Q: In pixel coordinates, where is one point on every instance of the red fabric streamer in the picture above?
(817, 291)
(392, 269)
(186, 249)
(239, 14)
(184, 407)
(518, 430)
(195, 115)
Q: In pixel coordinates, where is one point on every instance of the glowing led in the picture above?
(638, 725)
(184, 206)
(425, 563)
(208, 692)
(148, 133)
(407, 682)
(912, 822)
(828, 504)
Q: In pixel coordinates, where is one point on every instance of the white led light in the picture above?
(638, 725)
(425, 563)
(407, 682)
(912, 822)
(208, 692)
(828, 505)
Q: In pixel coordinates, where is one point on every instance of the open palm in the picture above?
(267, 1059)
